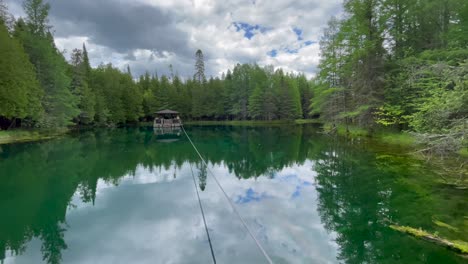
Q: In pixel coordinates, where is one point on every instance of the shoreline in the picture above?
(387, 136)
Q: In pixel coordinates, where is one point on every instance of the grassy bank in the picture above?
(16, 136)
(400, 138)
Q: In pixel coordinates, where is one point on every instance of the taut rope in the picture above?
(229, 200)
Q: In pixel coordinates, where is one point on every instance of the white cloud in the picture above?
(178, 28)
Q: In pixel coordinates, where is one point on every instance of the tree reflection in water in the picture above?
(357, 189)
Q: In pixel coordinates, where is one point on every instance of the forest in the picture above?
(398, 64)
(41, 88)
(384, 63)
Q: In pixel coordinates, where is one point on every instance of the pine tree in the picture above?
(80, 87)
(199, 75)
(306, 95)
(288, 98)
(20, 94)
(51, 67)
(132, 98)
(87, 66)
(256, 109)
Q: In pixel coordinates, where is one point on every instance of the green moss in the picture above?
(445, 225)
(15, 136)
(463, 152)
(403, 139)
(455, 245)
(462, 245)
(409, 230)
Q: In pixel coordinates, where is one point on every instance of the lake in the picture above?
(127, 196)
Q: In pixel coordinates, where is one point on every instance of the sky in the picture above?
(151, 35)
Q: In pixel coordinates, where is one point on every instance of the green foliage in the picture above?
(118, 98)
(389, 115)
(80, 73)
(37, 13)
(395, 63)
(20, 94)
(358, 111)
(442, 105)
(248, 92)
(59, 103)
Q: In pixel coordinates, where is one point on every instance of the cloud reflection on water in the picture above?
(152, 216)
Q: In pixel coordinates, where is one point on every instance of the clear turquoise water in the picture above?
(127, 196)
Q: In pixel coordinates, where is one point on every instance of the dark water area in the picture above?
(127, 196)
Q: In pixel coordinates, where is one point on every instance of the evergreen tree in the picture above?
(182, 98)
(240, 90)
(51, 67)
(199, 67)
(80, 87)
(132, 98)
(256, 109)
(305, 94)
(87, 66)
(198, 87)
(20, 94)
(288, 98)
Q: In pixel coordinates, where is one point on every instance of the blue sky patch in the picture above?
(250, 196)
(272, 53)
(309, 42)
(291, 51)
(288, 178)
(306, 183)
(249, 30)
(298, 32)
(297, 192)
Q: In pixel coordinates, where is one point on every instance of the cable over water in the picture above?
(229, 200)
(203, 215)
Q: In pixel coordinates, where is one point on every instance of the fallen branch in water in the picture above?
(459, 247)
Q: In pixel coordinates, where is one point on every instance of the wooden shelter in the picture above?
(167, 118)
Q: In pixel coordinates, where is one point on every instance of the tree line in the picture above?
(40, 88)
(384, 63)
(395, 63)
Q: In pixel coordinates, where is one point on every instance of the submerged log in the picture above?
(459, 247)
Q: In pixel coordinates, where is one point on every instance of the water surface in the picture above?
(127, 196)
